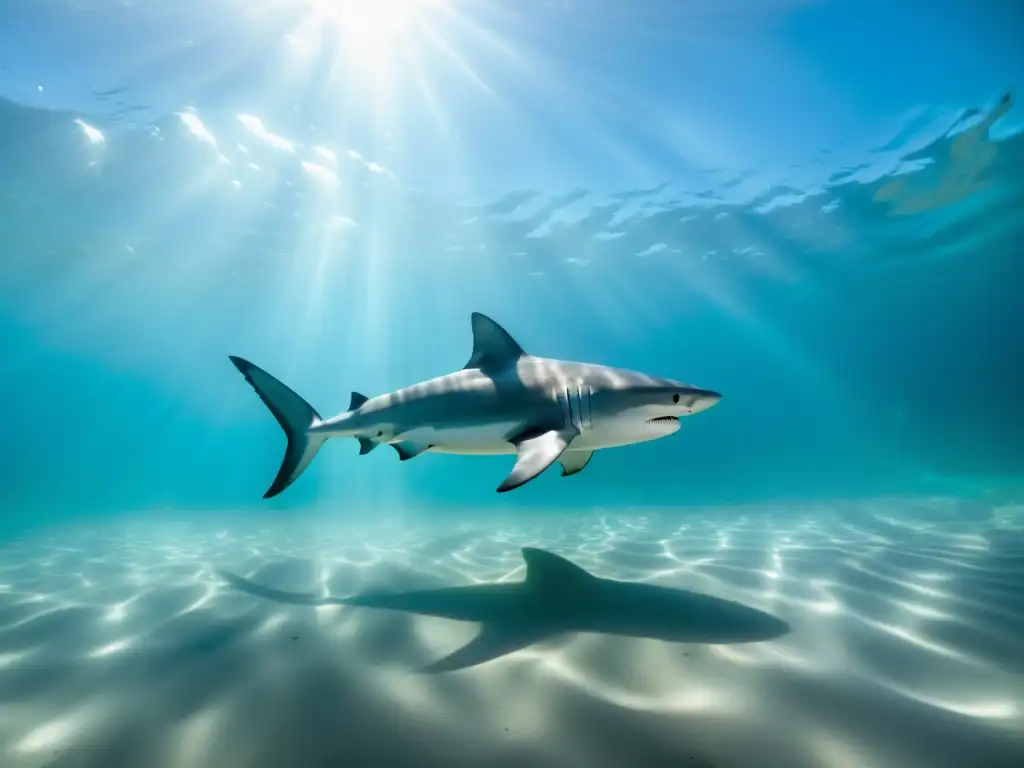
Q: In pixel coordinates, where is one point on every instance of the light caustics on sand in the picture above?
(918, 624)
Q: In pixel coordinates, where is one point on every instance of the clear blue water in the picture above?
(813, 208)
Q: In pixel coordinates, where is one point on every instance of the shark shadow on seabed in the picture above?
(557, 597)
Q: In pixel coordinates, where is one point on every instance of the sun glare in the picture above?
(371, 22)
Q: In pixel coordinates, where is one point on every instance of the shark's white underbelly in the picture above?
(490, 439)
(476, 440)
(613, 436)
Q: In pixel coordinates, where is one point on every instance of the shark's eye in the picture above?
(675, 398)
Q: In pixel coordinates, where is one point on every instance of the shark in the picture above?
(556, 598)
(503, 401)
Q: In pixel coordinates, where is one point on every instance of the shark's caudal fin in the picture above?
(295, 416)
(277, 595)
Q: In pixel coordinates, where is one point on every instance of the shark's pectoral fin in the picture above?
(574, 461)
(366, 444)
(492, 642)
(535, 452)
(407, 449)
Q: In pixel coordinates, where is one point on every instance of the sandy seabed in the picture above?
(121, 647)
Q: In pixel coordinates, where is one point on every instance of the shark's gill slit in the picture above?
(579, 402)
(575, 418)
(566, 407)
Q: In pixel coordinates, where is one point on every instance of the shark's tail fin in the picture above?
(295, 416)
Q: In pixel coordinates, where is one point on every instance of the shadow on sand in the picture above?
(557, 597)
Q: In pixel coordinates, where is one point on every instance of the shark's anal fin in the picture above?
(493, 346)
(535, 452)
(409, 450)
(357, 401)
(574, 461)
(493, 641)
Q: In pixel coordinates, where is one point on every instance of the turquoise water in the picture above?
(811, 208)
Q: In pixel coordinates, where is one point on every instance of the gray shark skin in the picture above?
(557, 597)
(502, 401)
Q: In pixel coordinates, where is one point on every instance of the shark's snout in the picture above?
(702, 399)
(758, 626)
(776, 627)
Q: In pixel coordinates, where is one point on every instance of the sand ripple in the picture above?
(119, 646)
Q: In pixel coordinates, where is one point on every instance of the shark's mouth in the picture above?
(662, 419)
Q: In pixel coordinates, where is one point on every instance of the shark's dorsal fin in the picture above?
(357, 401)
(493, 346)
(547, 568)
